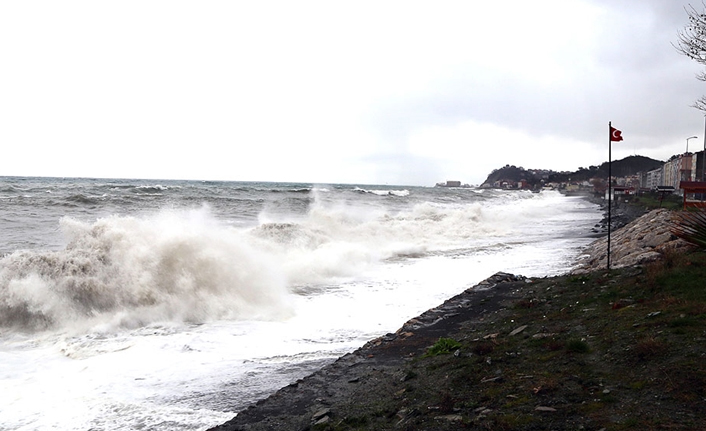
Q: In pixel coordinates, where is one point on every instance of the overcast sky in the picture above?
(396, 92)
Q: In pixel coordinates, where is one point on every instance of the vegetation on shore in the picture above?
(619, 350)
(654, 200)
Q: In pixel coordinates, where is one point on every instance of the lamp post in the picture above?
(687, 142)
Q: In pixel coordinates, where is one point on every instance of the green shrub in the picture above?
(443, 346)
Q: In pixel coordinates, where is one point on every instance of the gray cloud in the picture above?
(398, 92)
(634, 77)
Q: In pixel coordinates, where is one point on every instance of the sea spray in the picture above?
(187, 265)
(172, 266)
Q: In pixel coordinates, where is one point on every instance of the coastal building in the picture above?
(672, 172)
(697, 167)
(451, 183)
(652, 179)
(685, 166)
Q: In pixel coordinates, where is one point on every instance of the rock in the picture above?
(323, 420)
(405, 415)
(655, 239)
(518, 330)
(491, 379)
(450, 418)
(545, 409)
(320, 414)
(543, 335)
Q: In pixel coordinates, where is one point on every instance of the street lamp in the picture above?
(687, 142)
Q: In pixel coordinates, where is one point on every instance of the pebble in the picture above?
(544, 409)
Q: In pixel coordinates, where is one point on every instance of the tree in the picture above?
(691, 41)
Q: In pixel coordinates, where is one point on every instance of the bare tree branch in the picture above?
(700, 104)
(691, 42)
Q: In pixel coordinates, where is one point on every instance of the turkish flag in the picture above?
(615, 135)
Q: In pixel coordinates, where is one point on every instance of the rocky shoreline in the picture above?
(645, 239)
(621, 214)
(378, 366)
(356, 376)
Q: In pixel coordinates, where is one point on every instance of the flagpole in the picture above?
(610, 181)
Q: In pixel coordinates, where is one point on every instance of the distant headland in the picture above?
(520, 178)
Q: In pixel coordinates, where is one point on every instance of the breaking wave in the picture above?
(187, 266)
(129, 272)
(399, 193)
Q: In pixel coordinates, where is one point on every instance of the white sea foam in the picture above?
(186, 266)
(175, 265)
(399, 193)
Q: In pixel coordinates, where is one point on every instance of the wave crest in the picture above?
(397, 193)
(130, 272)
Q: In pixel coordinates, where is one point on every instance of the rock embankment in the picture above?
(645, 239)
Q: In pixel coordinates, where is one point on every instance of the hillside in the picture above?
(620, 168)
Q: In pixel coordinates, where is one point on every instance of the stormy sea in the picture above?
(172, 305)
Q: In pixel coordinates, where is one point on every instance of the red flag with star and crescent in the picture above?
(615, 135)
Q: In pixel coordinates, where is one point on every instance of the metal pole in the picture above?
(610, 180)
(687, 142)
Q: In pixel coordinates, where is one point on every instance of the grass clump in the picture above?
(648, 348)
(443, 346)
(654, 200)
